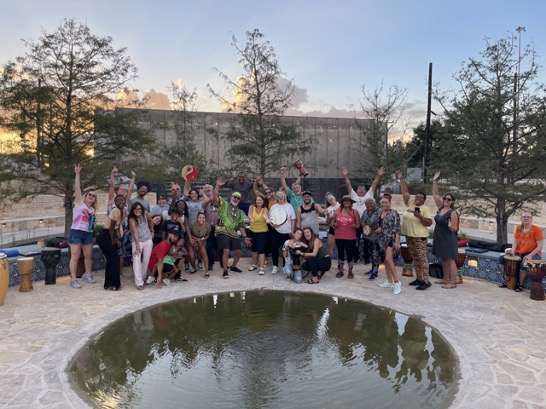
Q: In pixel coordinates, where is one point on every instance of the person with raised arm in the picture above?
(360, 196)
(120, 190)
(81, 231)
(242, 186)
(293, 195)
(416, 221)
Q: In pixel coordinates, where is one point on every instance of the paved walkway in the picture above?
(498, 335)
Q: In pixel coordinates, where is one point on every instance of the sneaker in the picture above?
(166, 282)
(373, 276)
(423, 286)
(416, 282)
(181, 279)
(199, 265)
(75, 284)
(274, 270)
(261, 272)
(150, 280)
(386, 284)
(88, 278)
(235, 269)
(367, 273)
(187, 266)
(226, 274)
(397, 288)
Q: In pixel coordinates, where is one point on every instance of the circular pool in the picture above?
(266, 349)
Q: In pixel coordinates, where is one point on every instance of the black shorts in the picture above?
(227, 242)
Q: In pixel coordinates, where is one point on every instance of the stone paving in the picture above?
(498, 335)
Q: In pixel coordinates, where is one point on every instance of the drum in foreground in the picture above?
(536, 269)
(51, 257)
(278, 216)
(511, 270)
(25, 265)
(4, 277)
(408, 261)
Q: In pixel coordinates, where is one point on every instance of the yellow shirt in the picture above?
(259, 224)
(411, 225)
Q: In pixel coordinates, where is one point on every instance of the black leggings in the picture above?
(345, 246)
(112, 269)
(277, 240)
(315, 264)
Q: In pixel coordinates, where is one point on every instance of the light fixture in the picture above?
(472, 262)
(41, 221)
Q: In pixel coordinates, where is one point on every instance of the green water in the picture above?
(266, 349)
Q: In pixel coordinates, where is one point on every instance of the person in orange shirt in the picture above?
(528, 240)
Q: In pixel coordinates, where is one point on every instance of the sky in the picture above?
(330, 49)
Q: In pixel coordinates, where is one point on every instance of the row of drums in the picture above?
(25, 265)
(536, 270)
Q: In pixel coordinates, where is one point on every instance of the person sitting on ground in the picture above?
(317, 259)
(230, 219)
(291, 252)
(200, 231)
(173, 246)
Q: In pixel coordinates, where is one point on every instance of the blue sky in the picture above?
(329, 48)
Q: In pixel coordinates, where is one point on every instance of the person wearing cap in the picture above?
(345, 221)
(360, 196)
(230, 218)
(307, 215)
(172, 246)
(242, 186)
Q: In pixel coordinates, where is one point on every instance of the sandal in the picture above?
(339, 274)
(207, 275)
(252, 267)
(518, 289)
(350, 275)
(449, 286)
(321, 274)
(261, 272)
(310, 281)
(441, 282)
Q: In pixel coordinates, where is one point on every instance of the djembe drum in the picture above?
(51, 257)
(459, 262)
(4, 277)
(536, 270)
(511, 269)
(408, 261)
(25, 265)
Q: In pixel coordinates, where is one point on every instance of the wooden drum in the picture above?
(511, 270)
(25, 265)
(408, 261)
(536, 270)
(4, 277)
(459, 262)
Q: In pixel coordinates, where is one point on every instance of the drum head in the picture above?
(278, 216)
(367, 230)
(514, 258)
(189, 172)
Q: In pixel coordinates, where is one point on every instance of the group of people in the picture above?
(186, 233)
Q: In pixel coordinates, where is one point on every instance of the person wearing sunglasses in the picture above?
(415, 225)
(444, 245)
(81, 231)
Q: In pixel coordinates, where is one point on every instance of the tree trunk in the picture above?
(68, 211)
(502, 222)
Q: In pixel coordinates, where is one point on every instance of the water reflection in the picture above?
(266, 350)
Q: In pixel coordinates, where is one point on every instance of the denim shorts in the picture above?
(80, 237)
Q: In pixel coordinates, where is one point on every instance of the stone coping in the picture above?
(498, 335)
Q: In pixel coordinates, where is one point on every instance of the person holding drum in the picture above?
(528, 241)
(444, 245)
(283, 219)
(331, 210)
(415, 225)
(230, 218)
(81, 231)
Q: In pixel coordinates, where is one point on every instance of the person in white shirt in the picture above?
(280, 232)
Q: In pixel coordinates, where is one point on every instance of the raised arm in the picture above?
(283, 179)
(187, 188)
(403, 187)
(78, 198)
(435, 193)
(131, 187)
(345, 173)
(112, 186)
(216, 191)
(375, 182)
(298, 218)
(206, 199)
(174, 186)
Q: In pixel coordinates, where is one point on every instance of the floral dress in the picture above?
(390, 226)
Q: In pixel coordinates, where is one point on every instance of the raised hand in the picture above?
(344, 171)
(77, 169)
(436, 177)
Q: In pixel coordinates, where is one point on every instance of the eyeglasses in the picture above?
(268, 193)
(91, 195)
(280, 195)
(235, 197)
(138, 208)
(448, 199)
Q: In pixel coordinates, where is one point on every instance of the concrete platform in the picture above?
(498, 335)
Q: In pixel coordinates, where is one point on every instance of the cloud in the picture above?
(157, 100)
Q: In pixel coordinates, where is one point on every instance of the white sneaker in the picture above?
(150, 280)
(167, 282)
(386, 284)
(261, 272)
(274, 270)
(88, 278)
(397, 288)
(75, 284)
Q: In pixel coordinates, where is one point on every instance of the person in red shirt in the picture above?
(165, 248)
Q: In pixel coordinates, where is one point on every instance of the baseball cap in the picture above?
(236, 194)
(174, 230)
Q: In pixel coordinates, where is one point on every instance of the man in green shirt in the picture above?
(230, 218)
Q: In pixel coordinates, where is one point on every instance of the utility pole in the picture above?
(428, 137)
(519, 29)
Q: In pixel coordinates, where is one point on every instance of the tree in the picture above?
(261, 141)
(384, 109)
(497, 153)
(182, 150)
(61, 98)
